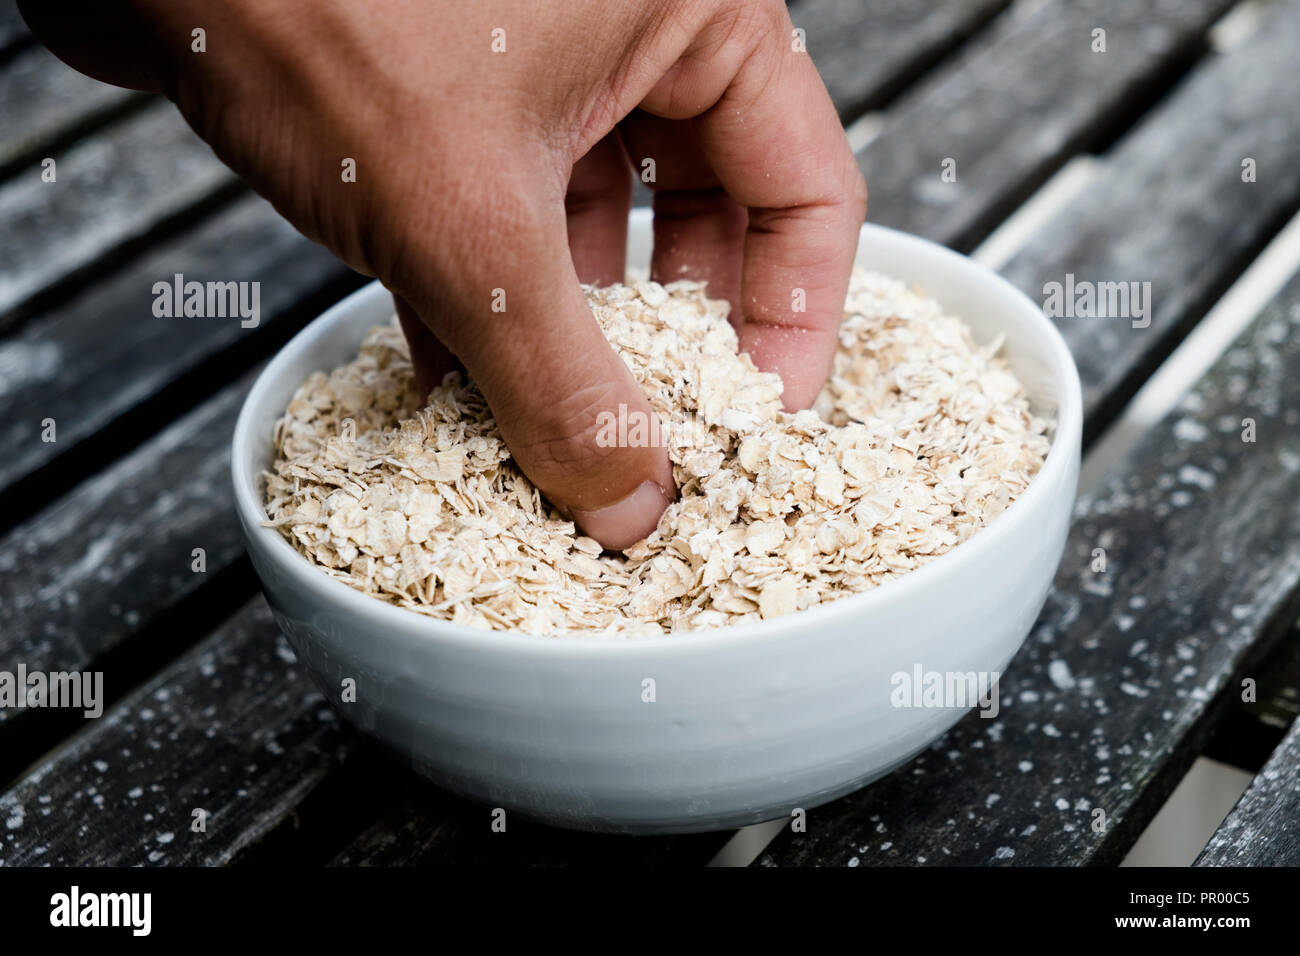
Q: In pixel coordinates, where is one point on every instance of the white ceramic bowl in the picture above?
(748, 723)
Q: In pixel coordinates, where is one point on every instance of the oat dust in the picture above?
(920, 438)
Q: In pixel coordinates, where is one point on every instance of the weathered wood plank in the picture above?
(1118, 685)
(111, 194)
(1263, 829)
(233, 728)
(110, 560)
(44, 101)
(104, 355)
(867, 50)
(1169, 207)
(1016, 102)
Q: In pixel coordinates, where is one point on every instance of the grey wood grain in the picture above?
(97, 567)
(1016, 102)
(1169, 207)
(1263, 829)
(112, 192)
(1118, 684)
(866, 50)
(103, 355)
(44, 101)
(233, 728)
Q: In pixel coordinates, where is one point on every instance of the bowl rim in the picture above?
(1065, 450)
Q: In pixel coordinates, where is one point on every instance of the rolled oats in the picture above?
(919, 439)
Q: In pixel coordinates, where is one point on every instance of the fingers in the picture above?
(698, 228)
(597, 204)
(522, 327)
(776, 145)
(430, 358)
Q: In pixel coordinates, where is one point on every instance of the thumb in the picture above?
(526, 336)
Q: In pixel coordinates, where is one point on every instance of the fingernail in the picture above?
(625, 522)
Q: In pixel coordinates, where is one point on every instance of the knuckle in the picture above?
(761, 26)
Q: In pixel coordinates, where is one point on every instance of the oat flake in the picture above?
(919, 439)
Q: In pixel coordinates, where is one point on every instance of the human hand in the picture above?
(488, 162)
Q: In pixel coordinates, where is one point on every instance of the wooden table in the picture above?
(1129, 674)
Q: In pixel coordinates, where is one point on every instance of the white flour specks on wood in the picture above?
(920, 438)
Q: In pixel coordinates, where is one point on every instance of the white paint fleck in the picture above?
(96, 554)
(1189, 429)
(1097, 584)
(1062, 804)
(1026, 766)
(1191, 475)
(1050, 730)
(1003, 853)
(1059, 672)
(26, 364)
